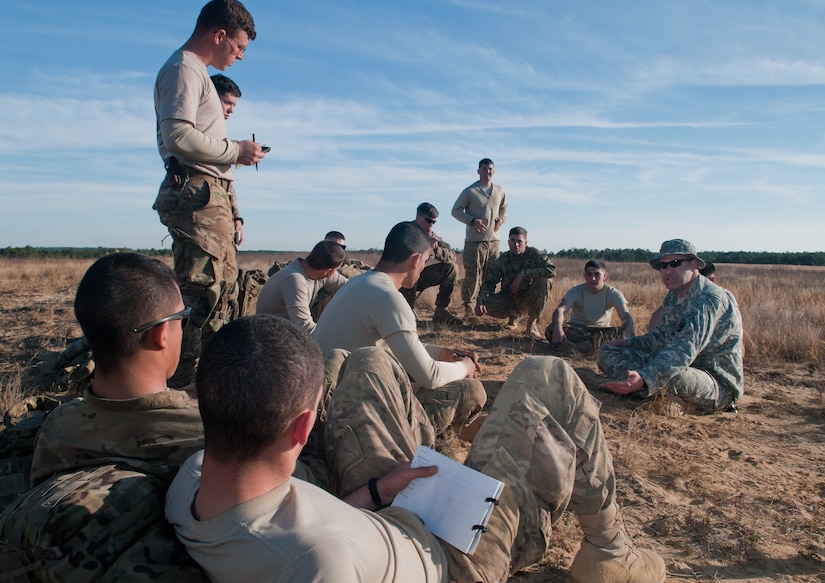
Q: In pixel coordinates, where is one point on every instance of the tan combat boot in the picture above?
(606, 556)
(443, 316)
(532, 330)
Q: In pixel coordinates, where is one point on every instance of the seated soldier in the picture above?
(370, 311)
(591, 304)
(524, 274)
(102, 462)
(709, 271)
(441, 272)
(349, 269)
(289, 293)
(694, 357)
(243, 518)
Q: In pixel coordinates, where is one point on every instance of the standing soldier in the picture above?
(194, 198)
(481, 206)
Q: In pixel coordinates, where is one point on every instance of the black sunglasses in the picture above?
(672, 263)
(429, 220)
(182, 315)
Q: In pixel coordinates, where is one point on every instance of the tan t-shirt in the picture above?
(369, 311)
(593, 309)
(184, 91)
(289, 293)
(298, 532)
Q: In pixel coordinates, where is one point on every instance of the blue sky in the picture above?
(612, 124)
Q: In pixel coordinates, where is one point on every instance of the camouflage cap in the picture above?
(677, 247)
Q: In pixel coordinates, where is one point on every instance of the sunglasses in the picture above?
(429, 220)
(183, 315)
(674, 263)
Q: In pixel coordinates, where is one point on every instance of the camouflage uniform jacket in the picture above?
(153, 434)
(702, 331)
(443, 253)
(532, 264)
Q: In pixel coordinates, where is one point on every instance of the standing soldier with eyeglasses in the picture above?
(694, 356)
(194, 200)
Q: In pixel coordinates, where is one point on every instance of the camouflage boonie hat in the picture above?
(677, 247)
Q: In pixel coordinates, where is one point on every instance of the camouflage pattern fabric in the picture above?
(536, 270)
(21, 426)
(153, 434)
(586, 339)
(199, 218)
(250, 283)
(542, 438)
(349, 269)
(100, 524)
(439, 274)
(695, 353)
(478, 258)
(455, 404)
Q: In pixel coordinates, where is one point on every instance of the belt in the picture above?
(191, 173)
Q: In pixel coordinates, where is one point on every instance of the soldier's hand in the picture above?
(631, 383)
(516, 283)
(249, 152)
(497, 224)
(480, 225)
(481, 309)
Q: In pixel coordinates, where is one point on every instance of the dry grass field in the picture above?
(728, 497)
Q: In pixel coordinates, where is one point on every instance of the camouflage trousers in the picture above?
(542, 438)
(478, 257)
(440, 274)
(530, 299)
(692, 384)
(199, 218)
(583, 338)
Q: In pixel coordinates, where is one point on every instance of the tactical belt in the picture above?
(222, 181)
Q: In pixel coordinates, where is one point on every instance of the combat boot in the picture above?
(512, 322)
(532, 329)
(607, 556)
(443, 316)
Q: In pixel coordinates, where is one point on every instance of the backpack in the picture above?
(98, 524)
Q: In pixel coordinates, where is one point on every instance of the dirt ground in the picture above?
(728, 497)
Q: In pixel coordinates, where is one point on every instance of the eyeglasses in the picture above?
(238, 48)
(429, 220)
(182, 315)
(674, 263)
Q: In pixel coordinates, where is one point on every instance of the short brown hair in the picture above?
(255, 376)
(230, 15)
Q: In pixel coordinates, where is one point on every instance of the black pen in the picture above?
(253, 141)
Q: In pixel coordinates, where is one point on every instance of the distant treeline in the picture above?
(747, 257)
(614, 255)
(29, 252)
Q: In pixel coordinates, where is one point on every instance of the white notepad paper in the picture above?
(455, 504)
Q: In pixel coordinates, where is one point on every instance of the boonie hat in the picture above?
(677, 247)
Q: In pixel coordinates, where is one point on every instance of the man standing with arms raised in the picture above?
(480, 206)
(194, 198)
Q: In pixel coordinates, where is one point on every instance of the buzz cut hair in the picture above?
(118, 293)
(403, 241)
(255, 376)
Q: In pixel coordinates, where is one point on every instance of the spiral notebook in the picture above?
(455, 504)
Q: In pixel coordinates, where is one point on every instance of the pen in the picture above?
(253, 141)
